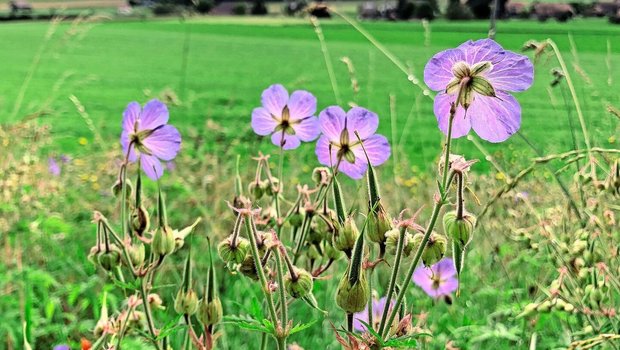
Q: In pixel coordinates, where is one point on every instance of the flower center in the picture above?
(469, 79)
(285, 122)
(436, 281)
(345, 151)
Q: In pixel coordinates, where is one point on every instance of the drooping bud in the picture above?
(299, 283)
(272, 186)
(186, 302)
(330, 251)
(459, 229)
(180, 236)
(136, 254)
(233, 252)
(435, 247)
(256, 190)
(117, 189)
(321, 175)
(109, 260)
(391, 242)
(344, 239)
(296, 218)
(163, 241)
(379, 223)
(210, 307)
(140, 220)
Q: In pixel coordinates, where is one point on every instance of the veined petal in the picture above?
(164, 142)
(151, 166)
(301, 104)
(154, 114)
(444, 268)
(447, 286)
(130, 115)
(377, 147)
(308, 129)
(323, 154)
(495, 119)
(481, 50)
(363, 121)
(422, 277)
(513, 73)
(284, 140)
(262, 122)
(461, 124)
(274, 98)
(355, 170)
(331, 121)
(438, 70)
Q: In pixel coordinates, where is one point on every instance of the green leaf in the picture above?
(302, 326)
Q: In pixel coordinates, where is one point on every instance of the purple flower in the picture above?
(338, 128)
(146, 136)
(289, 120)
(438, 280)
(66, 159)
(377, 311)
(62, 347)
(53, 167)
(477, 76)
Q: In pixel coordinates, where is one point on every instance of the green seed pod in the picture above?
(140, 220)
(296, 218)
(256, 190)
(163, 241)
(248, 268)
(321, 175)
(264, 242)
(186, 303)
(460, 230)
(312, 253)
(352, 298)
(117, 189)
(435, 248)
(271, 187)
(137, 321)
(528, 310)
(301, 286)
(391, 242)
(331, 252)
(233, 254)
(578, 247)
(109, 260)
(93, 254)
(596, 296)
(545, 306)
(136, 254)
(379, 223)
(210, 312)
(344, 239)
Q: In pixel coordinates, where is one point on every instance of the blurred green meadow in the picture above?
(69, 83)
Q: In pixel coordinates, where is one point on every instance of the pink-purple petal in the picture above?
(363, 121)
(322, 152)
(495, 119)
(438, 70)
(444, 268)
(513, 72)
(308, 129)
(130, 115)
(480, 50)
(447, 286)
(274, 98)
(331, 121)
(263, 122)
(164, 142)
(355, 170)
(154, 114)
(377, 147)
(152, 166)
(461, 124)
(301, 104)
(284, 140)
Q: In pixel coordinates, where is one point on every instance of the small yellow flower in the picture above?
(93, 178)
(83, 141)
(500, 176)
(78, 162)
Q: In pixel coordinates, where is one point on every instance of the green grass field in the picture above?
(218, 68)
(213, 70)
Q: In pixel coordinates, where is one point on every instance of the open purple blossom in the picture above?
(62, 347)
(338, 128)
(477, 77)
(53, 167)
(377, 312)
(288, 119)
(147, 136)
(438, 280)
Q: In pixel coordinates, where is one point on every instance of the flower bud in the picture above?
(233, 253)
(391, 242)
(155, 301)
(136, 254)
(545, 306)
(93, 254)
(296, 218)
(248, 268)
(379, 223)
(321, 175)
(117, 189)
(344, 239)
(109, 260)
(301, 285)
(163, 241)
(140, 221)
(270, 187)
(330, 251)
(435, 247)
(460, 230)
(352, 298)
(209, 312)
(186, 302)
(578, 247)
(313, 252)
(256, 190)
(528, 310)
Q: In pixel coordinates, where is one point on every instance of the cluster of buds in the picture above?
(553, 304)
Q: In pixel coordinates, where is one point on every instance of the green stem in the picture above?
(283, 304)
(149, 315)
(446, 163)
(393, 277)
(251, 231)
(263, 341)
